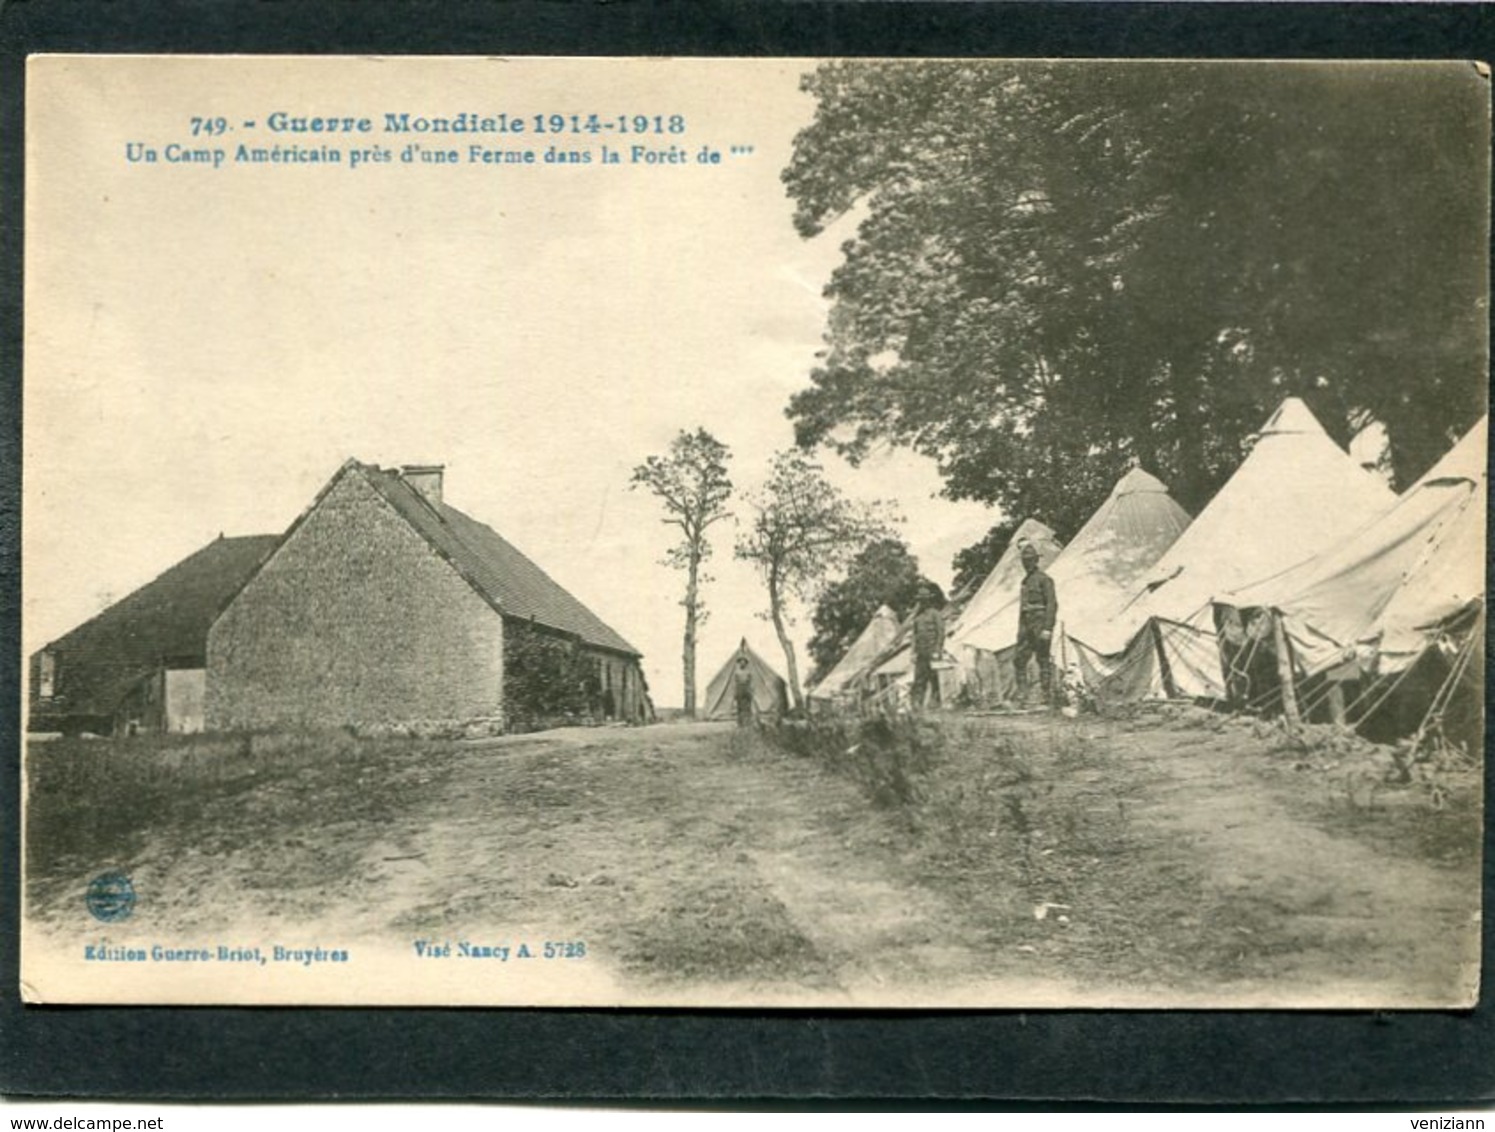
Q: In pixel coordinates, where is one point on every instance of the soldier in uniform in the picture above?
(928, 633)
(742, 691)
(1038, 607)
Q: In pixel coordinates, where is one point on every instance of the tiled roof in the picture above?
(508, 580)
(100, 660)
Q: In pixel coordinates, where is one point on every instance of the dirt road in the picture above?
(1141, 863)
(1226, 867)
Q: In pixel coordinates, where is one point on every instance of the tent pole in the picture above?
(1165, 670)
(1336, 704)
(1285, 671)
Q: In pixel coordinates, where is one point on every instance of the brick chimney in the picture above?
(426, 479)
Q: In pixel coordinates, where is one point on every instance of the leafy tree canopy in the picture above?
(803, 530)
(692, 483)
(883, 573)
(1067, 268)
(975, 562)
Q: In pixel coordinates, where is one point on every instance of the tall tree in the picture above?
(802, 531)
(691, 481)
(882, 573)
(1066, 268)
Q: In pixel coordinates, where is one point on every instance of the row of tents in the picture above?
(1305, 573)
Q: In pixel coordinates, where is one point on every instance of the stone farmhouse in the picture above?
(141, 663)
(382, 607)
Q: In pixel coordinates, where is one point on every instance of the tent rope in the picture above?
(1432, 720)
(1380, 700)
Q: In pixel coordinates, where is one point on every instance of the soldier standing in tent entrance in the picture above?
(1038, 607)
(928, 634)
(742, 690)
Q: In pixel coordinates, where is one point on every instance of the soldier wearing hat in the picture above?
(1038, 607)
(928, 633)
(742, 690)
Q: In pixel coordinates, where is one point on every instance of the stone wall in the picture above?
(355, 620)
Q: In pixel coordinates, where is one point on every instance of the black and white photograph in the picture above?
(816, 533)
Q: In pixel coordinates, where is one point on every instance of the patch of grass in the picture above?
(98, 803)
(748, 743)
(726, 929)
(977, 811)
(890, 759)
(1423, 804)
(1024, 830)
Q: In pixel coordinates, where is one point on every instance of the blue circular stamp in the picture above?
(111, 897)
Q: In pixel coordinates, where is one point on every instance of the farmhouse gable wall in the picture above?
(355, 619)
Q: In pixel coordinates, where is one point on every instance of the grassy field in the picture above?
(1169, 856)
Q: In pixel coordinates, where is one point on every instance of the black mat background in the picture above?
(722, 1058)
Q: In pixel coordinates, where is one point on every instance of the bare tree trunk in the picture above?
(776, 610)
(688, 656)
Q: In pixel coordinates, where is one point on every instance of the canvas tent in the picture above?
(1099, 568)
(892, 676)
(1001, 585)
(1398, 578)
(1410, 580)
(1296, 494)
(770, 692)
(971, 635)
(872, 642)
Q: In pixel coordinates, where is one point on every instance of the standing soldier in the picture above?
(1038, 607)
(742, 690)
(929, 645)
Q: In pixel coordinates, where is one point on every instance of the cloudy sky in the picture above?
(206, 346)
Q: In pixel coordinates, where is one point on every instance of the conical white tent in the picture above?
(1383, 594)
(1101, 566)
(874, 640)
(986, 675)
(1296, 494)
(891, 676)
(770, 692)
(1002, 584)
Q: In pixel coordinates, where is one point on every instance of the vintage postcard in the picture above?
(749, 533)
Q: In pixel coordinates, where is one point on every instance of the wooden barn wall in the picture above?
(621, 677)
